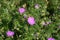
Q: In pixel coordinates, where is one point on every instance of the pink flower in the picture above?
(45, 23)
(31, 20)
(37, 6)
(10, 33)
(51, 39)
(49, 22)
(21, 10)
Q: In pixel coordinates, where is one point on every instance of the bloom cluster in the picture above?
(29, 20)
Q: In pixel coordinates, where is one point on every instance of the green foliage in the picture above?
(10, 19)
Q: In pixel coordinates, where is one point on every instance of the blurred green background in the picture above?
(10, 19)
